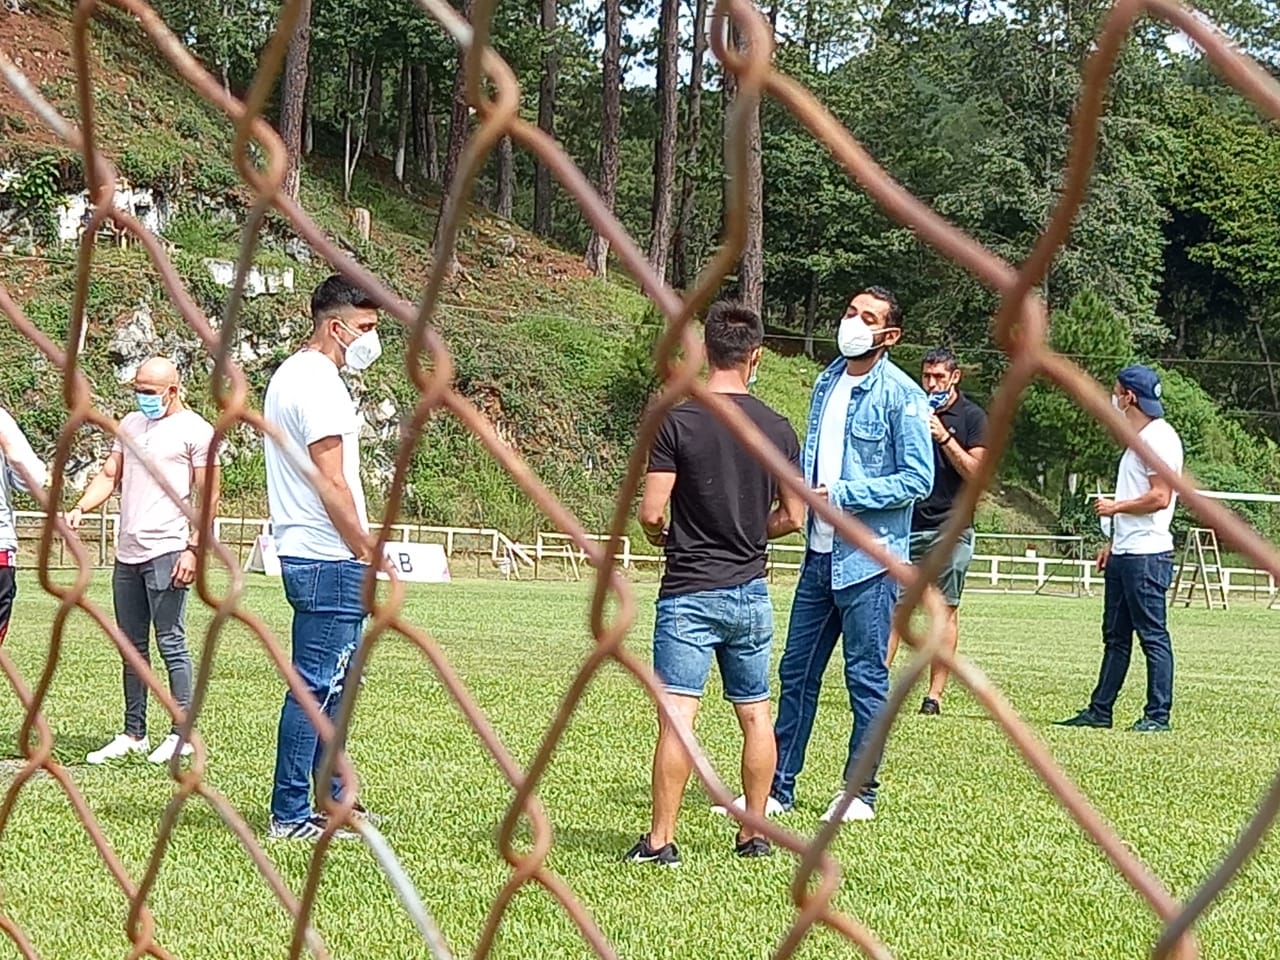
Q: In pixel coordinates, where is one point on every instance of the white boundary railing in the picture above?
(988, 573)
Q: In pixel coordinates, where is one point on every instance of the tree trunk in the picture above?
(504, 195)
(293, 96)
(459, 117)
(373, 127)
(351, 156)
(810, 315)
(433, 137)
(404, 95)
(684, 225)
(664, 151)
(426, 144)
(610, 127)
(542, 185)
(458, 121)
(751, 268)
(346, 128)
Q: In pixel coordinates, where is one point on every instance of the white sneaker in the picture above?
(164, 752)
(859, 809)
(772, 807)
(118, 749)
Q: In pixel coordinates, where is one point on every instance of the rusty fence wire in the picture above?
(1019, 329)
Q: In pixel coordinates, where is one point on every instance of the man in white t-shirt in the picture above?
(156, 546)
(1138, 563)
(324, 548)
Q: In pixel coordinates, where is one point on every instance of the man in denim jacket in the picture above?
(869, 449)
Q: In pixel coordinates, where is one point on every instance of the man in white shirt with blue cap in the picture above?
(1138, 562)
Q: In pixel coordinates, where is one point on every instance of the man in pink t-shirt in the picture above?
(155, 548)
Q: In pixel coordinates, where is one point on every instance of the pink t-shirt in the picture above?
(151, 524)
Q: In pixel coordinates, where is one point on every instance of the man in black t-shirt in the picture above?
(959, 428)
(713, 598)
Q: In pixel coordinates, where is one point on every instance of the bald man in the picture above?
(155, 545)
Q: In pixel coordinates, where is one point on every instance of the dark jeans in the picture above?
(144, 595)
(862, 613)
(328, 619)
(8, 592)
(1136, 598)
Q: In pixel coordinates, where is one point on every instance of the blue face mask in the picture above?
(152, 406)
(938, 400)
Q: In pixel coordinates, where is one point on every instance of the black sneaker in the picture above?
(667, 856)
(1147, 725)
(931, 707)
(755, 847)
(1084, 719)
(309, 830)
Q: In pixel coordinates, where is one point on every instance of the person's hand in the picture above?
(937, 429)
(822, 492)
(657, 539)
(1105, 508)
(184, 571)
(1104, 555)
(73, 518)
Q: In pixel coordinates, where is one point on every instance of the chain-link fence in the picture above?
(1019, 329)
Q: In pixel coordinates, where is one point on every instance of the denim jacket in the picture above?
(888, 462)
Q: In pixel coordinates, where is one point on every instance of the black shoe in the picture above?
(1084, 719)
(667, 856)
(755, 847)
(1147, 725)
(931, 707)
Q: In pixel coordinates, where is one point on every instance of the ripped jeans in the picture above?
(328, 620)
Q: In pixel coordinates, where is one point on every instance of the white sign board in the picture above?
(418, 562)
(262, 558)
(414, 562)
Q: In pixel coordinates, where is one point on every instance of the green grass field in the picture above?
(970, 857)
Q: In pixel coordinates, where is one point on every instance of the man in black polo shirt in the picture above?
(713, 598)
(959, 428)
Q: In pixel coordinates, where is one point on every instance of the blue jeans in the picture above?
(734, 623)
(1136, 596)
(862, 613)
(328, 620)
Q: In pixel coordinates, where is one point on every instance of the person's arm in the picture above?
(653, 506)
(103, 484)
(1153, 501)
(788, 516)
(20, 460)
(913, 452)
(965, 461)
(184, 571)
(326, 454)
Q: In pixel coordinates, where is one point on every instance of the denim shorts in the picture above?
(735, 623)
(951, 577)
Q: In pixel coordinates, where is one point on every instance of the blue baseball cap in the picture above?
(1144, 383)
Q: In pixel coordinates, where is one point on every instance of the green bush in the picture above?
(36, 194)
(156, 161)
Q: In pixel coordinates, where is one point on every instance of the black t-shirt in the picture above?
(722, 496)
(967, 422)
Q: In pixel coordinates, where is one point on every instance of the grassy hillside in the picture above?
(557, 359)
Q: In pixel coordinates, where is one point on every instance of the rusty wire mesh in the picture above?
(1019, 329)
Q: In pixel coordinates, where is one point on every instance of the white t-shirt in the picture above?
(307, 401)
(1146, 533)
(829, 457)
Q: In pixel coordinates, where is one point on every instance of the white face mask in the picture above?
(363, 350)
(1115, 401)
(855, 338)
